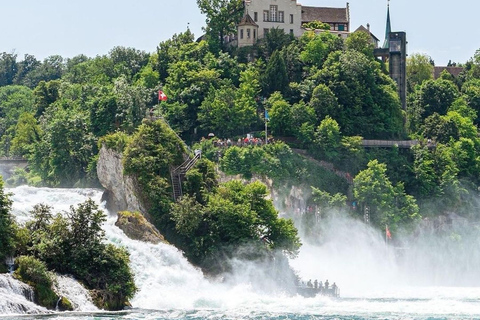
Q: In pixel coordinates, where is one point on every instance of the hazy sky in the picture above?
(445, 30)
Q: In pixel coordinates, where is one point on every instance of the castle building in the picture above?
(288, 15)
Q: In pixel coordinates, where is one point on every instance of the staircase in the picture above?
(178, 174)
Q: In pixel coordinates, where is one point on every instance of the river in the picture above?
(428, 282)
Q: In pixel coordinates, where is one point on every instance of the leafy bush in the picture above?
(237, 220)
(75, 244)
(117, 141)
(34, 272)
(7, 225)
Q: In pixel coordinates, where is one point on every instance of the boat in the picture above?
(310, 292)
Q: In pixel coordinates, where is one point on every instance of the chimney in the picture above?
(368, 27)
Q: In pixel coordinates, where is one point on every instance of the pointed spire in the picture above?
(388, 29)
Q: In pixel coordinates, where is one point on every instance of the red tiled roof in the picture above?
(363, 29)
(325, 14)
(454, 71)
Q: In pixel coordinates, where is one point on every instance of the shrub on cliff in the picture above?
(237, 220)
(74, 243)
(152, 152)
(34, 272)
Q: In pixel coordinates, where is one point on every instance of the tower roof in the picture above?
(247, 20)
(388, 29)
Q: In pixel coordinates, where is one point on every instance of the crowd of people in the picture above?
(319, 286)
(240, 142)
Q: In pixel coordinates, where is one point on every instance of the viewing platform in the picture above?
(402, 144)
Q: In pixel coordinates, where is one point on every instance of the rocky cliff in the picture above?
(120, 189)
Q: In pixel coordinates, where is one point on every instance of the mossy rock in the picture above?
(104, 299)
(136, 227)
(65, 305)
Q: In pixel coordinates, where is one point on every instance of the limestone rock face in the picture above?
(121, 189)
(136, 227)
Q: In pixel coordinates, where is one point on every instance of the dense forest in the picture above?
(321, 91)
(323, 95)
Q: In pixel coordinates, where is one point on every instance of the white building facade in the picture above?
(288, 15)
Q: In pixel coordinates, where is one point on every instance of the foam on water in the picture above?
(373, 285)
(71, 289)
(16, 297)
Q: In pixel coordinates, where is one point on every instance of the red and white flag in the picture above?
(162, 96)
(388, 235)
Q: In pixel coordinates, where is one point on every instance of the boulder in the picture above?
(136, 227)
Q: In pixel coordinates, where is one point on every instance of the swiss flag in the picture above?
(162, 96)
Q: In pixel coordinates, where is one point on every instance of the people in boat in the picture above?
(334, 287)
(309, 283)
(315, 284)
(320, 285)
(326, 285)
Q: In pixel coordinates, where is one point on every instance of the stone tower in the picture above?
(394, 50)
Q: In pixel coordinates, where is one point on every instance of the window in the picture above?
(248, 33)
(273, 13)
(265, 15)
(291, 18)
(255, 16)
(395, 46)
(341, 27)
(241, 33)
(291, 32)
(280, 16)
(254, 33)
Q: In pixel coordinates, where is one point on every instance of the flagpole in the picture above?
(266, 129)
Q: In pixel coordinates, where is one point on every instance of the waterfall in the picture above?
(16, 297)
(68, 287)
(164, 277)
(354, 255)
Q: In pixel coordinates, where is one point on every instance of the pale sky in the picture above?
(442, 29)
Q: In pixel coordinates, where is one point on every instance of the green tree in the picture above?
(222, 18)
(436, 96)
(387, 204)
(281, 118)
(27, 133)
(7, 230)
(275, 77)
(327, 138)
(25, 69)
(318, 47)
(8, 68)
(324, 103)
(151, 153)
(360, 41)
(74, 243)
(219, 114)
(275, 39)
(14, 100)
(237, 215)
(246, 98)
(419, 69)
(471, 91)
(316, 25)
(369, 104)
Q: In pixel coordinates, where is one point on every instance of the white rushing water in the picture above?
(68, 287)
(16, 297)
(373, 284)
